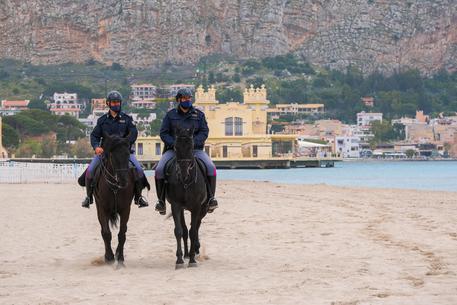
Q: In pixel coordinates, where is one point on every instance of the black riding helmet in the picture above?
(183, 92)
(114, 96)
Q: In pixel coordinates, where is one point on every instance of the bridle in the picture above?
(112, 180)
(190, 178)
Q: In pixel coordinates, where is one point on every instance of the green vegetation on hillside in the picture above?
(288, 78)
(38, 132)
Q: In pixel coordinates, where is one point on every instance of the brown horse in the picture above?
(114, 191)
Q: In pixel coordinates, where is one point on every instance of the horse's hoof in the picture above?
(120, 265)
(180, 266)
(193, 265)
(109, 260)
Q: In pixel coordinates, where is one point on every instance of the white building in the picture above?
(364, 119)
(65, 103)
(144, 91)
(146, 104)
(143, 119)
(174, 88)
(347, 146)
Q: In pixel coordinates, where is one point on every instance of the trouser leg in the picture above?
(88, 181)
(212, 202)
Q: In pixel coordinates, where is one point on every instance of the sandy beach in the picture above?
(266, 244)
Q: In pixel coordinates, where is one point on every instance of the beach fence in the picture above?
(22, 172)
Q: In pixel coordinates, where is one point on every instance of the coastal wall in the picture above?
(373, 35)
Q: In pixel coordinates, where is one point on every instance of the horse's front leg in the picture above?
(193, 237)
(106, 234)
(185, 235)
(197, 239)
(176, 211)
(121, 236)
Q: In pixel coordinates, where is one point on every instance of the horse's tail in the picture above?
(113, 219)
(114, 214)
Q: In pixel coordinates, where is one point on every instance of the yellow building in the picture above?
(237, 130)
(3, 152)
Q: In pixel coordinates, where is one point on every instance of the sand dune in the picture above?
(268, 243)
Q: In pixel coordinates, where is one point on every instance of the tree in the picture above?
(10, 137)
(211, 78)
(82, 148)
(116, 67)
(48, 146)
(410, 153)
(384, 131)
(29, 149)
(38, 104)
(229, 95)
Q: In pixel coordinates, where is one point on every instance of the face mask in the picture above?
(186, 104)
(115, 108)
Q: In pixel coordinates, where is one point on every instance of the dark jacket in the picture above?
(121, 125)
(175, 118)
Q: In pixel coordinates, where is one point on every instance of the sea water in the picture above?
(421, 175)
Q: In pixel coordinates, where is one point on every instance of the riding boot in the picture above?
(89, 190)
(161, 207)
(82, 179)
(139, 200)
(212, 202)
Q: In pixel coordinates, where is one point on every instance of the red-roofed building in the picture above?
(13, 107)
(66, 103)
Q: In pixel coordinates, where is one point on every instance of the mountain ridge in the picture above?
(383, 36)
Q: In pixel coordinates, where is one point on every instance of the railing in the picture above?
(21, 172)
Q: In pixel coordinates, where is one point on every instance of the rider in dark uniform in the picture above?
(115, 122)
(184, 116)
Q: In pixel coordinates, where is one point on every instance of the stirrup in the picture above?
(161, 207)
(86, 202)
(141, 202)
(212, 205)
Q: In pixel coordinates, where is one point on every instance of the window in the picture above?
(140, 149)
(158, 150)
(255, 151)
(207, 149)
(224, 151)
(229, 126)
(238, 126)
(234, 126)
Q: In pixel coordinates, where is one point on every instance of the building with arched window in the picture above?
(238, 130)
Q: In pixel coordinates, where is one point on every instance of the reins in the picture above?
(112, 180)
(185, 184)
(188, 175)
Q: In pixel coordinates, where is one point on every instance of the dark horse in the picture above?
(186, 190)
(114, 192)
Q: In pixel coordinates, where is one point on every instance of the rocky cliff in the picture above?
(372, 34)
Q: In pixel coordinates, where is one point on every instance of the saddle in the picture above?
(172, 161)
(97, 174)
